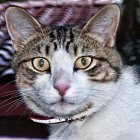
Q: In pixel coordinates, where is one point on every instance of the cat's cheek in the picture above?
(28, 96)
(76, 96)
(42, 81)
(33, 107)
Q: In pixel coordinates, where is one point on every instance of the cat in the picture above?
(75, 74)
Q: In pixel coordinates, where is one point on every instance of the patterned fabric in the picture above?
(51, 12)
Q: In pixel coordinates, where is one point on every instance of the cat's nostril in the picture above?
(62, 89)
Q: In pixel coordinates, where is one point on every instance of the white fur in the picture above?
(115, 110)
(118, 120)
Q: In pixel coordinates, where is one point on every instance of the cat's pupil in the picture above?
(83, 61)
(41, 63)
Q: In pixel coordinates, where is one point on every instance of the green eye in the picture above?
(83, 62)
(41, 64)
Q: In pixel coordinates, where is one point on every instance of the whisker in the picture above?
(7, 84)
(99, 98)
(26, 110)
(99, 90)
(8, 100)
(14, 94)
(14, 105)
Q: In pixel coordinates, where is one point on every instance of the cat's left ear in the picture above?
(103, 26)
(20, 25)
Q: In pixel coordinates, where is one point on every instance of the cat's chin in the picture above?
(66, 110)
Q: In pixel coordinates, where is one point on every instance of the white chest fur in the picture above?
(119, 120)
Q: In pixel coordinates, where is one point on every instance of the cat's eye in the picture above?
(83, 62)
(41, 64)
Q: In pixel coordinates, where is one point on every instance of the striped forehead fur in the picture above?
(57, 36)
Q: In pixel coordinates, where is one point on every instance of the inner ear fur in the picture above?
(20, 25)
(103, 25)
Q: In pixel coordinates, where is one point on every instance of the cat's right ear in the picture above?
(103, 25)
(20, 25)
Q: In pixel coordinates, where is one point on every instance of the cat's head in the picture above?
(65, 71)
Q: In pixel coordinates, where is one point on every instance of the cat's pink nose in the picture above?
(62, 88)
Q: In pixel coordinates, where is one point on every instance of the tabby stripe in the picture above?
(39, 49)
(18, 64)
(75, 50)
(95, 70)
(67, 46)
(71, 36)
(105, 78)
(55, 46)
(106, 60)
(30, 75)
(70, 41)
(47, 48)
(101, 81)
(52, 36)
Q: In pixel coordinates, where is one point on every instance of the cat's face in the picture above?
(65, 71)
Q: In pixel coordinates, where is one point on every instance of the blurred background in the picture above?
(14, 116)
